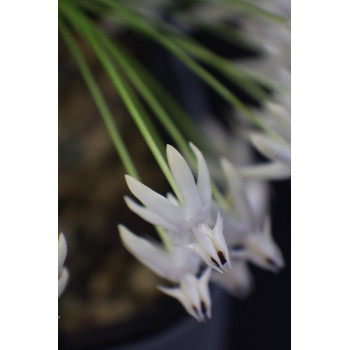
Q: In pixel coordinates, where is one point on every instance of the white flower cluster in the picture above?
(225, 247)
(199, 231)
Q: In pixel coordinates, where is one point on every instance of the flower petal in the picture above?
(186, 184)
(154, 257)
(264, 252)
(270, 148)
(193, 293)
(149, 215)
(220, 240)
(267, 171)
(206, 247)
(236, 191)
(173, 199)
(157, 203)
(178, 294)
(197, 249)
(203, 179)
(204, 292)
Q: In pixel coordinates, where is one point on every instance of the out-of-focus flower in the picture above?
(246, 237)
(193, 218)
(262, 250)
(179, 266)
(273, 39)
(63, 273)
(193, 294)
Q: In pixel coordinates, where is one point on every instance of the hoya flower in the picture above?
(248, 238)
(63, 273)
(193, 218)
(179, 266)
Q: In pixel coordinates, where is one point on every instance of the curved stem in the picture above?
(100, 101)
(83, 26)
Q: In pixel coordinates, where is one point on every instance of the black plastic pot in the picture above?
(160, 331)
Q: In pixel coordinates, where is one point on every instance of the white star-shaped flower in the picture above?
(247, 238)
(193, 294)
(191, 219)
(179, 266)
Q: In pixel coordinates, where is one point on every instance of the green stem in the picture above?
(135, 107)
(228, 68)
(119, 54)
(130, 104)
(84, 28)
(163, 116)
(100, 101)
(181, 117)
(138, 24)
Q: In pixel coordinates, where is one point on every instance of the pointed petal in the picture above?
(270, 148)
(258, 196)
(210, 247)
(204, 291)
(203, 179)
(188, 284)
(206, 276)
(62, 281)
(186, 184)
(149, 215)
(206, 243)
(220, 239)
(195, 248)
(263, 252)
(178, 294)
(157, 203)
(154, 257)
(236, 191)
(62, 251)
(173, 199)
(267, 171)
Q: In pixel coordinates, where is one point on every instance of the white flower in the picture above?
(63, 274)
(263, 251)
(193, 218)
(244, 234)
(193, 294)
(179, 266)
